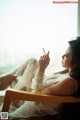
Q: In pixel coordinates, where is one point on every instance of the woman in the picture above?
(61, 83)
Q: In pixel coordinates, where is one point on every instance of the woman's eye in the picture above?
(65, 55)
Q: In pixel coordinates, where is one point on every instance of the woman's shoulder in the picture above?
(70, 80)
(72, 84)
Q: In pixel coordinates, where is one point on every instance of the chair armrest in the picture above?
(27, 96)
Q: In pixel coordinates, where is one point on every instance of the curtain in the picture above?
(27, 26)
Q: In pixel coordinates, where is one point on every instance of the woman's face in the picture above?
(67, 58)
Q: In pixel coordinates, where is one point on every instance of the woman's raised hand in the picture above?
(44, 61)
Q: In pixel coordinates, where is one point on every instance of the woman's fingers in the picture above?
(44, 61)
(45, 57)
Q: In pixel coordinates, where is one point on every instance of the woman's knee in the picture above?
(33, 61)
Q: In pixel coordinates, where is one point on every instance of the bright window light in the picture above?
(27, 26)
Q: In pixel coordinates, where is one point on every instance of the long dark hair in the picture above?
(75, 49)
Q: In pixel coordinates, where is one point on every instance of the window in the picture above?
(27, 26)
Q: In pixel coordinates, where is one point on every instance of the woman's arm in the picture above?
(65, 87)
(43, 63)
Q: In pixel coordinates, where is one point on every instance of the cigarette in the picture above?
(44, 50)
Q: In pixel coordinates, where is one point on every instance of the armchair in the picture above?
(26, 96)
